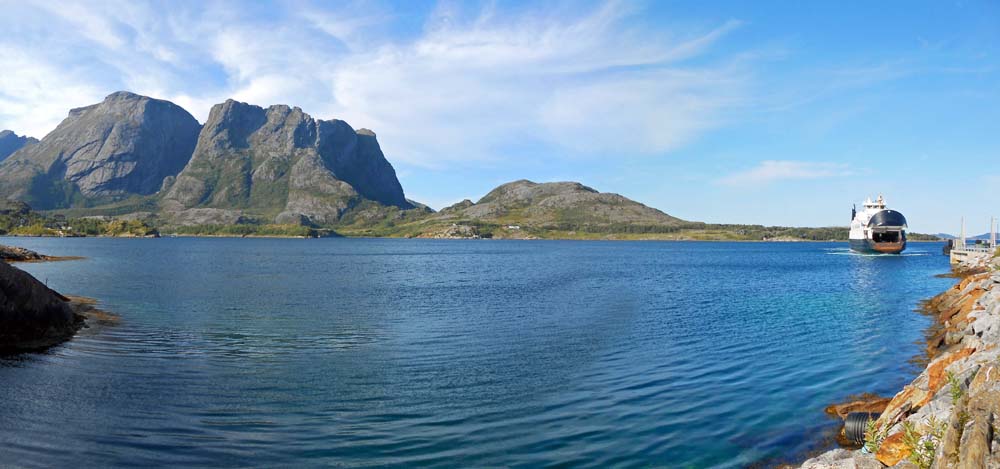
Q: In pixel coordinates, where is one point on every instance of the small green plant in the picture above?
(955, 388)
(922, 446)
(963, 418)
(874, 436)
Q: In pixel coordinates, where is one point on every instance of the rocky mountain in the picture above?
(11, 142)
(525, 209)
(567, 204)
(126, 145)
(282, 165)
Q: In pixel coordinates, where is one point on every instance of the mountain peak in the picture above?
(524, 191)
(125, 145)
(524, 209)
(275, 163)
(11, 142)
(566, 204)
(124, 95)
(280, 160)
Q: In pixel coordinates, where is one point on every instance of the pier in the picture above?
(962, 251)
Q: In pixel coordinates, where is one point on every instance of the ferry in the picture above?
(876, 229)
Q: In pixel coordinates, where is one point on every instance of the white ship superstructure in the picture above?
(877, 229)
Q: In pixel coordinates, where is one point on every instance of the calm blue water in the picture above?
(360, 352)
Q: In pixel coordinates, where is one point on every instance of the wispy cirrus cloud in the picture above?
(466, 90)
(772, 171)
(469, 86)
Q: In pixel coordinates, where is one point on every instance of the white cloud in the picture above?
(466, 88)
(38, 95)
(589, 85)
(771, 171)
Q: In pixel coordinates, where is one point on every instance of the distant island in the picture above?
(142, 167)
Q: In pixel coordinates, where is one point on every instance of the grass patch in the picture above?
(249, 230)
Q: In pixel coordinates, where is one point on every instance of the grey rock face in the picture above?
(31, 315)
(282, 162)
(11, 142)
(207, 216)
(127, 144)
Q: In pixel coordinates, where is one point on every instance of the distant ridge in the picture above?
(566, 204)
(525, 209)
(11, 142)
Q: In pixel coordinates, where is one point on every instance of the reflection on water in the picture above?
(443, 353)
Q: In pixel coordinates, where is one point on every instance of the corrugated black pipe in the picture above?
(855, 424)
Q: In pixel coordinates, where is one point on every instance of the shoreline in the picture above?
(947, 414)
(35, 317)
(47, 259)
(177, 235)
(86, 316)
(15, 254)
(171, 235)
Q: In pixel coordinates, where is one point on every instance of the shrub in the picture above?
(955, 388)
(874, 436)
(922, 446)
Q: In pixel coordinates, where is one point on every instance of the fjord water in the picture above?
(362, 352)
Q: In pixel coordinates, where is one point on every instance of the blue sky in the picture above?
(731, 112)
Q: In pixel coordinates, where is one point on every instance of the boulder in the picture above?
(32, 316)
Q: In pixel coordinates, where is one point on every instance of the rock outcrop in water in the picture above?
(947, 417)
(11, 142)
(126, 145)
(16, 254)
(32, 316)
(281, 163)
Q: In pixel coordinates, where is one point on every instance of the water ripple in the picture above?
(361, 353)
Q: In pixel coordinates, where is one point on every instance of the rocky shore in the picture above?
(948, 416)
(16, 254)
(33, 316)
